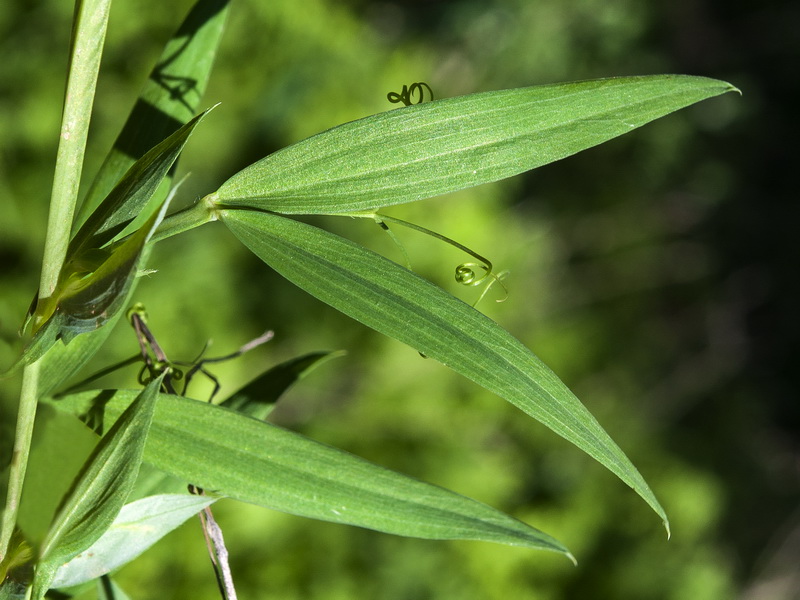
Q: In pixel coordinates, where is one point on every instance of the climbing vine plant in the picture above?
(96, 250)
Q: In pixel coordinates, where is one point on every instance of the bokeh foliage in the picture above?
(622, 280)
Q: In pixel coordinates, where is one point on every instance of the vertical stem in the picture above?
(19, 459)
(89, 32)
(88, 36)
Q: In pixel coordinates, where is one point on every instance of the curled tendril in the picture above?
(468, 273)
(407, 93)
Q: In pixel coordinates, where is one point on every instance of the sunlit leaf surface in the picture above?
(437, 147)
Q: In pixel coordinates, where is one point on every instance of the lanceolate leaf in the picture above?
(258, 398)
(101, 489)
(402, 305)
(138, 526)
(253, 461)
(90, 302)
(130, 196)
(436, 147)
(170, 98)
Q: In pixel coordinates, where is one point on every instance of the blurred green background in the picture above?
(655, 274)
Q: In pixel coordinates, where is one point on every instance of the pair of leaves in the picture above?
(421, 151)
(143, 522)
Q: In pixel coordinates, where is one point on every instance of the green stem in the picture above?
(199, 213)
(91, 18)
(19, 459)
(89, 31)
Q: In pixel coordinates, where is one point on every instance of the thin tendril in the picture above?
(405, 95)
(156, 361)
(397, 242)
(465, 273)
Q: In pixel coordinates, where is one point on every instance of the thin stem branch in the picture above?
(201, 212)
(19, 459)
(382, 219)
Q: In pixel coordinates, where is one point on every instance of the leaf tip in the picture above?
(731, 88)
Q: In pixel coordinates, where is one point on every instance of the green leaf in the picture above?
(138, 526)
(396, 302)
(100, 490)
(170, 97)
(85, 304)
(130, 196)
(256, 462)
(62, 362)
(52, 466)
(437, 147)
(258, 398)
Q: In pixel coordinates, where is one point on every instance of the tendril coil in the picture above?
(467, 273)
(406, 94)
